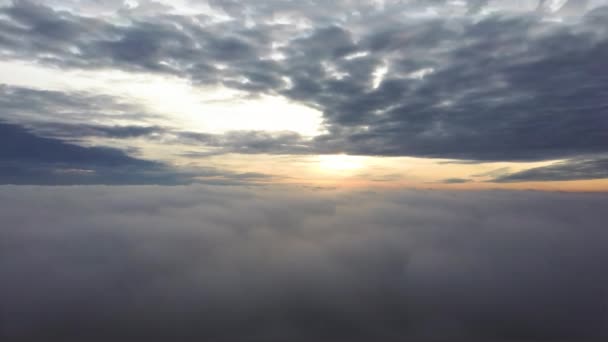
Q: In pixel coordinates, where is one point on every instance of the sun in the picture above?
(341, 162)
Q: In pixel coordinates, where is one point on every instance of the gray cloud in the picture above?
(26, 158)
(249, 142)
(46, 108)
(29, 159)
(456, 181)
(226, 264)
(573, 7)
(74, 131)
(574, 169)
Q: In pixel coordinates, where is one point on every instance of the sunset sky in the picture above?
(423, 94)
(304, 170)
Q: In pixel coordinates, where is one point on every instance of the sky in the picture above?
(304, 171)
(397, 94)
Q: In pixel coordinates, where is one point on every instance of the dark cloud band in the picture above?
(575, 169)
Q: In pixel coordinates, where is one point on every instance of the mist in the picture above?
(204, 263)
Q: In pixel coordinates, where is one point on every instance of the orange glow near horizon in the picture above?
(347, 171)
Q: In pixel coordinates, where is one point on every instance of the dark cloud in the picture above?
(48, 108)
(73, 131)
(491, 100)
(221, 264)
(456, 181)
(574, 169)
(26, 158)
(29, 159)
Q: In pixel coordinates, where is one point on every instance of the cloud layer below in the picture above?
(229, 264)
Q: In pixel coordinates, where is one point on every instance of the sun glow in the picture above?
(341, 162)
(175, 102)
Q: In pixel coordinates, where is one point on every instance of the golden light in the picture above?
(341, 162)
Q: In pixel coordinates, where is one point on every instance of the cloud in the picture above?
(574, 169)
(230, 264)
(517, 77)
(73, 131)
(456, 181)
(26, 158)
(480, 103)
(67, 116)
(29, 159)
(494, 173)
(56, 109)
(249, 142)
